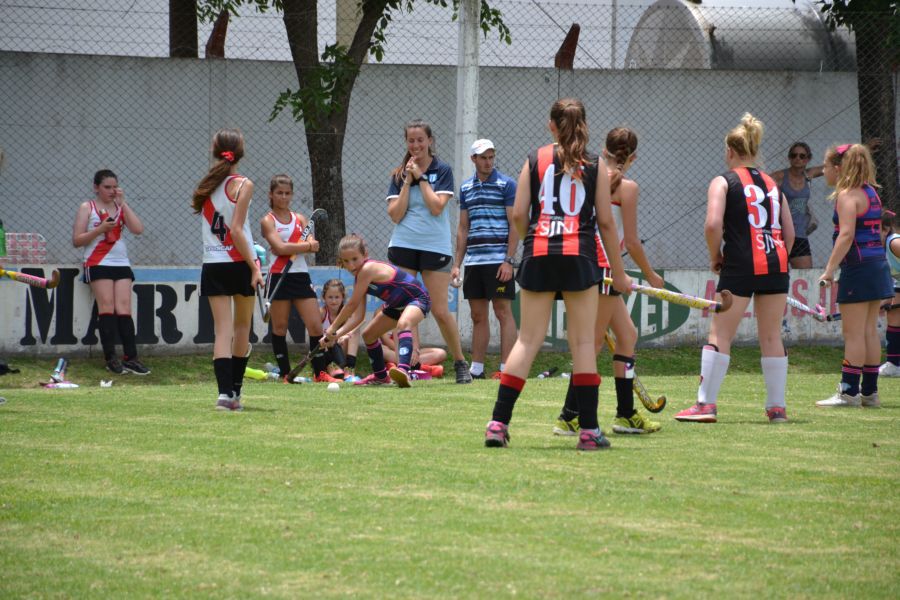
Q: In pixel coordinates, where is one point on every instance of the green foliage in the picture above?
(858, 15)
(208, 10)
(323, 84)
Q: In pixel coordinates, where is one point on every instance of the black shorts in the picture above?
(99, 272)
(296, 285)
(225, 279)
(865, 282)
(480, 283)
(746, 286)
(800, 248)
(557, 273)
(420, 260)
(394, 312)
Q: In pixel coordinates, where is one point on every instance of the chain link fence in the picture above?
(88, 85)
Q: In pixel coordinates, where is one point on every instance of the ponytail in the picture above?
(621, 143)
(745, 139)
(856, 167)
(227, 150)
(571, 134)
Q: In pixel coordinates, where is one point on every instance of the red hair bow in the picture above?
(228, 155)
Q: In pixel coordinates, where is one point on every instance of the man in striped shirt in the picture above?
(487, 241)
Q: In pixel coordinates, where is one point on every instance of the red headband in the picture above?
(228, 155)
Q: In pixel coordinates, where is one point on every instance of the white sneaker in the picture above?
(889, 369)
(841, 400)
(870, 401)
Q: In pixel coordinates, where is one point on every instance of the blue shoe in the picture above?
(592, 439)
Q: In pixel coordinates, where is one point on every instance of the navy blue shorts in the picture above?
(864, 282)
(394, 312)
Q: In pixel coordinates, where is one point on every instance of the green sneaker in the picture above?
(567, 428)
(638, 423)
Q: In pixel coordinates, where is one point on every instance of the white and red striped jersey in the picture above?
(218, 210)
(108, 250)
(290, 234)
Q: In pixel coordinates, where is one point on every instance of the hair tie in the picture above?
(228, 156)
(842, 148)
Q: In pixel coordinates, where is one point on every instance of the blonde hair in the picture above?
(746, 138)
(856, 167)
(352, 241)
(571, 134)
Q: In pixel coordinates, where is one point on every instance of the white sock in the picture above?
(476, 368)
(774, 370)
(500, 368)
(713, 367)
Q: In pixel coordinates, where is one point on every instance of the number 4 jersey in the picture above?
(754, 245)
(218, 247)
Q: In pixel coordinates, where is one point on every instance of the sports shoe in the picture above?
(462, 371)
(437, 371)
(496, 435)
(338, 374)
(496, 375)
(114, 365)
(777, 414)
(870, 401)
(566, 428)
(324, 377)
(699, 413)
(889, 369)
(474, 376)
(637, 424)
(226, 402)
(372, 380)
(400, 376)
(592, 439)
(840, 400)
(135, 366)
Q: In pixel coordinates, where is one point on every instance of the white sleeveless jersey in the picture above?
(289, 233)
(620, 230)
(218, 210)
(107, 250)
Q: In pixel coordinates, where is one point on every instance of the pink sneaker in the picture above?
(699, 413)
(591, 439)
(496, 435)
(372, 380)
(777, 414)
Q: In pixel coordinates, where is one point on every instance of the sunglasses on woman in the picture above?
(797, 155)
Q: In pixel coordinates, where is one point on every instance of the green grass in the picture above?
(144, 490)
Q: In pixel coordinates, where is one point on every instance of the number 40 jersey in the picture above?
(218, 246)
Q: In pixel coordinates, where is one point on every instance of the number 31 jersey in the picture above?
(752, 226)
(218, 246)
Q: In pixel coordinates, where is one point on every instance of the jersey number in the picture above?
(571, 192)
(759, 217)
(218, 226)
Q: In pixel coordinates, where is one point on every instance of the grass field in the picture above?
(143, 490)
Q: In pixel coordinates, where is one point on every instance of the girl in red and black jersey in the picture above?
(865, 273)
(561, 198)
(745, 211)
(230, 273)
(282, 228)
(98, 229)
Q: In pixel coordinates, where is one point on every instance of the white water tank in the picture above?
(680, 34)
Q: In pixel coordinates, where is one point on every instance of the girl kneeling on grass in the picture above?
(406, 303)
(865, 274)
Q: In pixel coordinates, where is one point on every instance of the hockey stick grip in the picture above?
(682, 299)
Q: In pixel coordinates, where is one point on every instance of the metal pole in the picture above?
(466, 87)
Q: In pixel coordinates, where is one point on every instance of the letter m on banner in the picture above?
(41, 305)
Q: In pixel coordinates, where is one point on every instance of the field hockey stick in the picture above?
(817, 313)
(639, 388)
(314, 352)
(33, 280)
(319, 213)
(679, 298)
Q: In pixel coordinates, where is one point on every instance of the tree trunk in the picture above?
(325, 153)
(183, 29)
(877, 102)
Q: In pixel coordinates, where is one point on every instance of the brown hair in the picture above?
(746, 137)
(352, 241)
(334, 283)
(857, 167)
(803, 145)
(397, 173)
(621, 143)
(280, 179)
(227, 149)
(571, 134)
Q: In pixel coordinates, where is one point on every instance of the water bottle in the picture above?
(109, 236)
(2, 239)
(270, 368)
(302, 379)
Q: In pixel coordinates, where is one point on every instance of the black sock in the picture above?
(126, 332)
(850, 379)
(869, 383)
(280, 348)
(319, 363)
(587, 388)
(376, 357)
(238, 366)
(570, 408)
(507, 394)
(337, 356)
(107, 325)
(625, 387)
(222, 369)
(351, 361)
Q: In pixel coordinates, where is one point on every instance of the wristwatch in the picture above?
(511, 260)
(423, 177)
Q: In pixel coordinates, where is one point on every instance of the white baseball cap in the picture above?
(479, 147)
